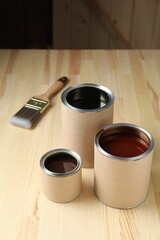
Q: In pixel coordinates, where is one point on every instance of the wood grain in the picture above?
(121, 13)
(143, 23)
(156, 33)
(80, 25)
(25, 213)
(62, 24)
(106, 24)
(99, 38)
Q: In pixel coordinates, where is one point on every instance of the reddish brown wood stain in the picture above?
(124, 145)
(61, 163)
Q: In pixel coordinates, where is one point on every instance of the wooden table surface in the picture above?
(25, 213)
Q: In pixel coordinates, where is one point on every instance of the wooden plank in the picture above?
(156, 32)
(143, 23)
(106, 21)
(99, 38)
(80, 25)
(121, 14)
(61, 24)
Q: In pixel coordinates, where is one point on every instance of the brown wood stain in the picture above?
(60, 163)
(124, 145)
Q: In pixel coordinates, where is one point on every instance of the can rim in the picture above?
(114, 157)
(56, 152)
(103, 88)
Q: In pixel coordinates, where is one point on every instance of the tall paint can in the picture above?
(86, 108)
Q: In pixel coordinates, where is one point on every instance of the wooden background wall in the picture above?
(106, 24)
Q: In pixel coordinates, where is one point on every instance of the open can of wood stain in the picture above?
(61, 175)
(86, 108)
(123, 158)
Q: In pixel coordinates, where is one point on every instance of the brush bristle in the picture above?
(25, 117)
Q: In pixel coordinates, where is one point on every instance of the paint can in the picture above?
(86, 108)
(123, 158)
(61, 175)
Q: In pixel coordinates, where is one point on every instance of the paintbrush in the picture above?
(33, 109)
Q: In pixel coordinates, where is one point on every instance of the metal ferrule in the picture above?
(37, 104)
(87, 97)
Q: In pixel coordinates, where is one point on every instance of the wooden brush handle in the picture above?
(54, 88)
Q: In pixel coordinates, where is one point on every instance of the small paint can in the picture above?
(123, 158)
(86, 108)
(61, 175)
